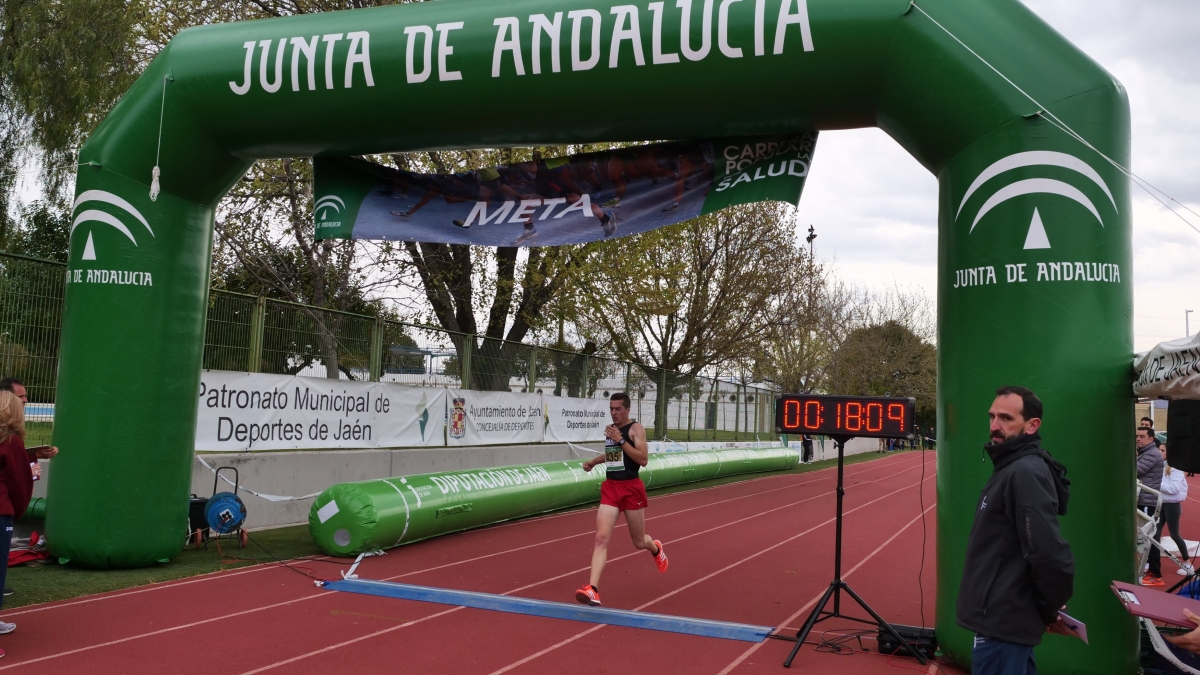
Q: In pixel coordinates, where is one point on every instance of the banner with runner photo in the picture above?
(565, 200)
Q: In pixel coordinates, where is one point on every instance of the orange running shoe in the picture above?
(1151, 580)
(661, 559)
(588, 595)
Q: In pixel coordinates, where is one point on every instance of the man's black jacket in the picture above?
(1019, 570)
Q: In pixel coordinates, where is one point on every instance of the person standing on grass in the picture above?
(12, 384)
(625, 452)
(1149, 473)
(806, 444)
(16, 479)
(1019, 570)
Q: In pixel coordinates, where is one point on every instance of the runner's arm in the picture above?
(636, 448)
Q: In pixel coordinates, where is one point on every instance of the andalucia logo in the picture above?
(104, 218)
(1036, 237)
(323, 207)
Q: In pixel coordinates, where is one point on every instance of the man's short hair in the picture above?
(1149, 431)
(623, 398)
(1031, 405)
(1147, 419)
(7, 383)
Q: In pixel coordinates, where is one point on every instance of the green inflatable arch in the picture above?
(1034, 266)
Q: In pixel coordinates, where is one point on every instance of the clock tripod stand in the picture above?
(839, 585)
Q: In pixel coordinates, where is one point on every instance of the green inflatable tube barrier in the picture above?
(351, 518)
(36, 509)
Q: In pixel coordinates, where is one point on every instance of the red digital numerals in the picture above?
(861, 417)
(852, 417)
(807, 415)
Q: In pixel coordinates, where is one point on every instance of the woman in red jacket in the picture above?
(16, 480)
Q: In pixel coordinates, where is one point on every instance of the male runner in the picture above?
(625, 452)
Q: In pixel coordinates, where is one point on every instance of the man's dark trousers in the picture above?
(997, 657)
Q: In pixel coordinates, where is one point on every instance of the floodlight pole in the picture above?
(819, 613)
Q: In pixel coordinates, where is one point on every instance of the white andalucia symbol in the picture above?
(328, 202)
(94, 215)
(1036, 238)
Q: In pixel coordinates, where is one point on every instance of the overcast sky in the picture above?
(875, 208)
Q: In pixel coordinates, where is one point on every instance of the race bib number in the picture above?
(614, 458)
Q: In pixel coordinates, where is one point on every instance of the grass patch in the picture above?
(49, 582)
(38, 433)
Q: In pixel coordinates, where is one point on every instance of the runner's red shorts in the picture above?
(626, 495)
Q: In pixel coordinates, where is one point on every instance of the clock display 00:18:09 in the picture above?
(870, 416)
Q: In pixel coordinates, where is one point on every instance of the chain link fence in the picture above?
(260, 335)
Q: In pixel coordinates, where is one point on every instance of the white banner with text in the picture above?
(257, 411)
(575, 420)
(493, 417)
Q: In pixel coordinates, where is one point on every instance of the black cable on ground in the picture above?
(297, 568)
(841, 644)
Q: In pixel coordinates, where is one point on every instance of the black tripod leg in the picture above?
(885, 625)
(809, 623)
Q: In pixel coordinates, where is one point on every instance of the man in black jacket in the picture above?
(1019, 570)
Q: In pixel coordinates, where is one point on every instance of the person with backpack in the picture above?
(1019, 570)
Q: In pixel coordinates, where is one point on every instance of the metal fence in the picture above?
(256, 334)
(31, 294)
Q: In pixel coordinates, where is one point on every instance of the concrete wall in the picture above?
(294, 474)
(307, 472)
(827, 450)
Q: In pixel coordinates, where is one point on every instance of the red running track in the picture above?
(758, 551)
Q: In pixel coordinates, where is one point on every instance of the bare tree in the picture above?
(703, 293)
(265, 245)
(796, 354)
(513, 286)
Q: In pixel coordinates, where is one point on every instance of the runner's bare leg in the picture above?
(636, 520)
(606, 519)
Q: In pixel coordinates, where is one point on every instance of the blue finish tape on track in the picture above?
(555, 610)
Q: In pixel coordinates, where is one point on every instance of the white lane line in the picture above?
(157, 632)
(320, 595)
(165, 585)
(225, 574)
(592, 532)
(685, 537)
(350, 642)
(597, 627)
(803, 610)
(729, 567)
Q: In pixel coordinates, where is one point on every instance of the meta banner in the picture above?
(564, 200)
(257, 411)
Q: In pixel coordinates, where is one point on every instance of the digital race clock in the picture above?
(871, 416)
